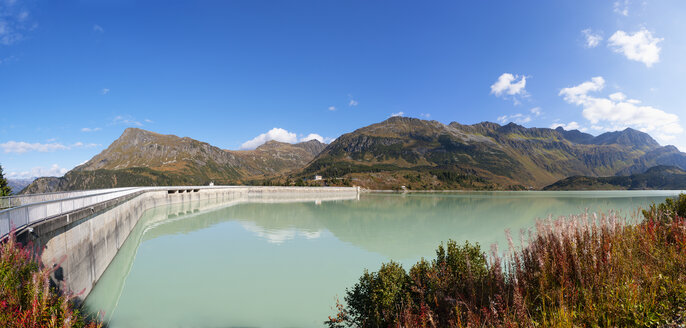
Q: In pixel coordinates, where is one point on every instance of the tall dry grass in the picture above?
(580, 271)
(27, 299)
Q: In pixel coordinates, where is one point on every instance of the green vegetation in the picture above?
(665, 212)
(658, 177)
(26, 296)
(5, 190)
(577, 272)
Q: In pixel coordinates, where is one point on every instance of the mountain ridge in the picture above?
(141, 157)
(661, 177)
(399, 151)
(506, 156)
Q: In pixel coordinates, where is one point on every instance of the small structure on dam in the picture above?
(82, 231)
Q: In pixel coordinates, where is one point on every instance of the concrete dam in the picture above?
(82, 231)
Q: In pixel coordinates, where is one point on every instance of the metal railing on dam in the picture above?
(25, 210)
(19, 200)
(81, 235)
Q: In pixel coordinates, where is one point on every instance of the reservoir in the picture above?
(282, 264)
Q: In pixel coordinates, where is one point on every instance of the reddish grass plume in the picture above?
(579, 271)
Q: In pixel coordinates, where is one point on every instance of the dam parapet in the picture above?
(82, 235)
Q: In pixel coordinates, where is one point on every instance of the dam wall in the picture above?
(83, 244)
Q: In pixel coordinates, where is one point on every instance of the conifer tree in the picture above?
(5, 190)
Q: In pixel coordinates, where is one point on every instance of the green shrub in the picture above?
(670, 208)
(584, 271)
(378, 299)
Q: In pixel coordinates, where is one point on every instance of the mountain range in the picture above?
(657, 177)
(431, 155)
(398, 152)
(140, 157)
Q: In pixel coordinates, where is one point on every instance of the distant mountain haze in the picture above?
(400, 151)
(18, 185)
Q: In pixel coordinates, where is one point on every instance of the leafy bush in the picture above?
(583, 271)
(26, 297)
(667, 210)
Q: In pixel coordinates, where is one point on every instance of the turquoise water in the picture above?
(283, 264)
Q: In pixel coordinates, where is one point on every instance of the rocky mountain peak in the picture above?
(313, 147)
(627, 137)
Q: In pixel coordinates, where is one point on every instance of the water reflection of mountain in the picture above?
(401, 226)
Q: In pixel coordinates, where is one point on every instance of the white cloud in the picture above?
(90, 129)
(53, 171)
(80, 144)
(23, 147)
(7, 59)
(577, 93)
(622, 7)
(20, 147)
(569, 126)
(520, 118)
(592, 39)
(351, 101)
(23, 15)
(277, 134)
(104, 91)
(425, 115)
(147, 120)
(617, 111)
(126, 120)
(98, 28)
(14, 22)
(332, 108)
(397, 114)
(640, 46)
(510, 85)
(281, 135)
(617, 96)
(314, 136)
(506, 85)
(279, 236)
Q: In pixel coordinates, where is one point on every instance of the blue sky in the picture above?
(75, 74)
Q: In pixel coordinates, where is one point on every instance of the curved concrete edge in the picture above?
(84, 243)
(41, 209)
(20, 200)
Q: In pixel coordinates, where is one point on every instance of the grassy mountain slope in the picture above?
(143, 158)
(431, 155)
(657, 177)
